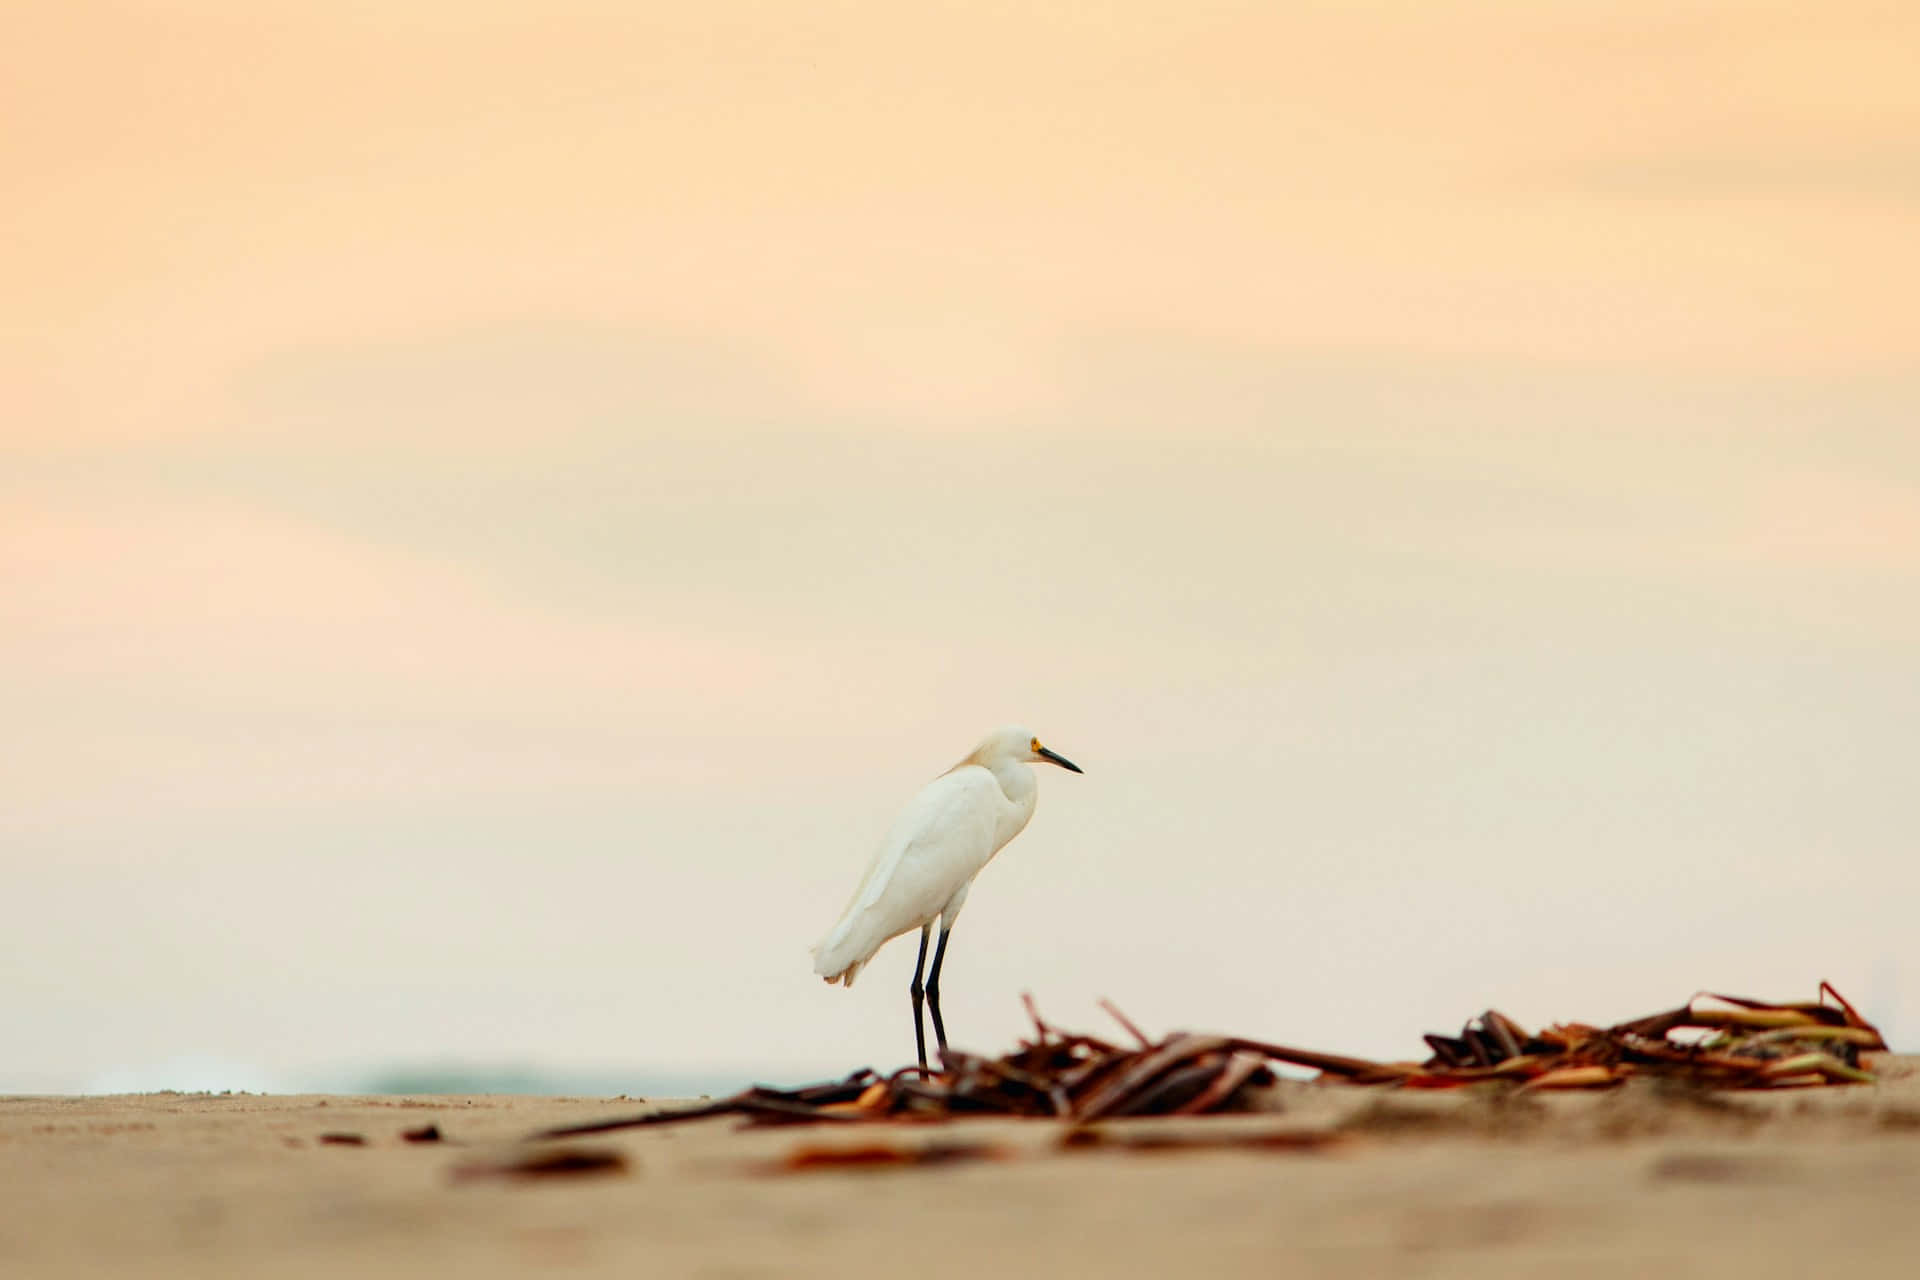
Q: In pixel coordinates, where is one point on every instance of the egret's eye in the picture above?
(1034, 746)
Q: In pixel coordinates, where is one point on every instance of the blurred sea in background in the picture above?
(212, 1075)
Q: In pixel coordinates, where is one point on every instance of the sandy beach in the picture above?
(1331, 1181)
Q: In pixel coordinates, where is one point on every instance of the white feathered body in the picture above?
(944, 838)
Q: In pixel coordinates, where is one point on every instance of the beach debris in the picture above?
(760, 1104)
(1078, 1078)
(1706, 1166)
(1901, 1119)
(1154, 1139)
(343, 1139)
(425, 1133)
(1712, 1041)
(811, 1158)
(536, 1161)
(1715, 1041)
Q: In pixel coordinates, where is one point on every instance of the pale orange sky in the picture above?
(500, 503)
(193, 188)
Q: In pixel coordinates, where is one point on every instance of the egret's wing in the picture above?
(939, 843)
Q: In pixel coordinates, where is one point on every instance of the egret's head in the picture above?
(1015, 743)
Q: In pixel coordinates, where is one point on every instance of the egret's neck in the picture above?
(1016, 781)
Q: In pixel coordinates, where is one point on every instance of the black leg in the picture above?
(919, 1029)
(933, 990)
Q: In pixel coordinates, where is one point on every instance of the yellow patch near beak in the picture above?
(1034, 746)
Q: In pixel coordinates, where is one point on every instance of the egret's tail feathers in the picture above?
(835, 959)
(846, 976)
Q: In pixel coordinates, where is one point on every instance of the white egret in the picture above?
(928, 860)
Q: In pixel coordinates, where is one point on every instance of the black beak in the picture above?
(1060, 760)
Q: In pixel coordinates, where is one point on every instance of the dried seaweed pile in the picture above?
(1079, 1078)
(1074, 1077)
(1713, 1041)
(1718, 1041)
